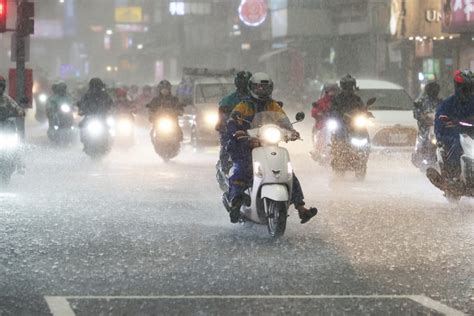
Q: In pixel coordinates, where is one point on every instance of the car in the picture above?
(207, 88)
(394, 126)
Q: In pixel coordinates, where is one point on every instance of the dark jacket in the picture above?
(164, 103)
(455, 108)
(346, 102)
(95, 103)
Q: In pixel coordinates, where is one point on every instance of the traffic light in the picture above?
(26, 14)
(3, 16)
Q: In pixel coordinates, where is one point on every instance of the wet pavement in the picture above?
(132, 235)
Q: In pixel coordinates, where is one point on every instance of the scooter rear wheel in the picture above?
(276, 215)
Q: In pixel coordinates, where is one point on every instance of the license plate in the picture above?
(398, 138)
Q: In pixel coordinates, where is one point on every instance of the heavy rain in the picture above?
(236, 157)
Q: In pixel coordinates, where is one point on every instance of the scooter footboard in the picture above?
(467, 166)
(275, 192)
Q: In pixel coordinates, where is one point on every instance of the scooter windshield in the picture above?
(270, 117)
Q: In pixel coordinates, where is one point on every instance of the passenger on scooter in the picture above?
(457, 107)
(240, 147)
(226, 106)
(320, 112)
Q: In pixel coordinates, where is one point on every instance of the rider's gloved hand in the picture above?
(240, 135)
(254, 143)
(294, 135)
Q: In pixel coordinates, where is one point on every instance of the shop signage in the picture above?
(458, 16)
(128, 15)
(253, 12)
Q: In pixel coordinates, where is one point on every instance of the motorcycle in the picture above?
(269, 196)
(97, 132)
(62, 129)
(321, 152)
(9, 149)
(125, 129)
(424, 155)
(455, 188)
(166, 135)
(350, 143)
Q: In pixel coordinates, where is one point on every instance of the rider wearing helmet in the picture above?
(240, 147)
(427, 104)
(226, 106)
(96, 101)
(456, 107)
(8, 106)
(60, 96)
(165, 100)
(347, 100)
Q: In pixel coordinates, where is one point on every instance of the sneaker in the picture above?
(435, 178)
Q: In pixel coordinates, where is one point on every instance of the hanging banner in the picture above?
(458, 16)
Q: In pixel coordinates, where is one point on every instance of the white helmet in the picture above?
(261, 86)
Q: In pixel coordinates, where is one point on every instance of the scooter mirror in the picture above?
(371, 101)
(300, 116)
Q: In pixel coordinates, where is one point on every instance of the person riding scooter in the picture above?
(347, 100)
(455, 108)
(240, 147)
(424, 111)
(10, 109)
(226, 106)
(164, 101)
(96, 101)
(60, 97)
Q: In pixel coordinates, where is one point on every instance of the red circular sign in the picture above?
(253, 12)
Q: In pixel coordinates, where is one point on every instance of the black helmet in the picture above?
(164, 84)
(261, 86)
(241, 80)
(464, 82)
(96, 84)
(348, 83)
(432, 89)
(61, 88)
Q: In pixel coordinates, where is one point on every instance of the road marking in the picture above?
(59, 305)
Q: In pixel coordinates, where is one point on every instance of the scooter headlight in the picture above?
(9, 141)
(332, 125)
(434, 141)
(359, 142)
(66, 108)
(361, 121)
(211, 118)
(165, 125)
(95, 128)
(125, 126)
(110, 121)
(43, 97)
(272, 135)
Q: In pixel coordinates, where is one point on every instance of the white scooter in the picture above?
(270, 194)
(454, 189)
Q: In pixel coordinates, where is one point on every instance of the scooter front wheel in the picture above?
(276, 216)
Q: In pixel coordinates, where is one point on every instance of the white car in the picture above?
(393, 126)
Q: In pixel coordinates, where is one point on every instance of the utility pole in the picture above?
(24, 27)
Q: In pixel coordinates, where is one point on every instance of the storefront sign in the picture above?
(433, 16)
(253, 12)
(128, 15)
(458, 16)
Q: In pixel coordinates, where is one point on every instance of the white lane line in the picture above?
(58, 304)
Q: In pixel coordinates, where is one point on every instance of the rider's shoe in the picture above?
(306, 214)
